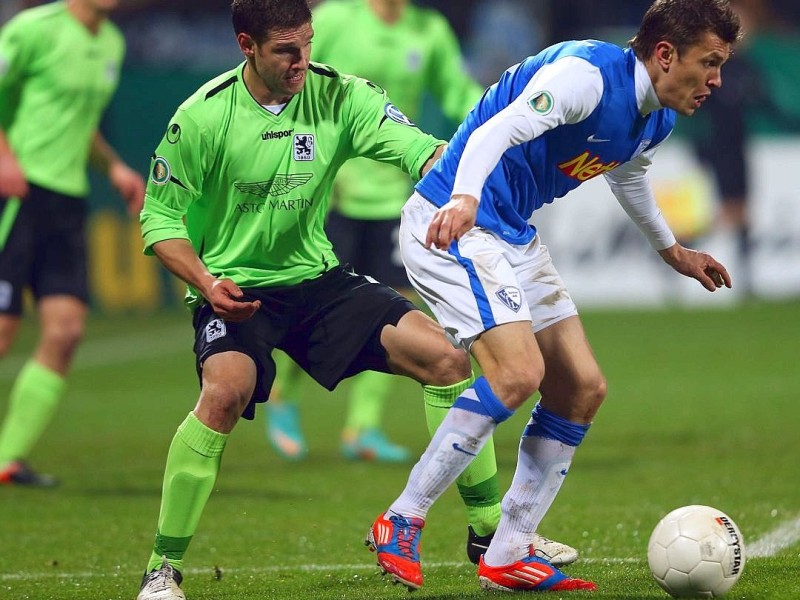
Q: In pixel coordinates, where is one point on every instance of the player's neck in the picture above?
(388, 11)
(89, 16)
(258, 89)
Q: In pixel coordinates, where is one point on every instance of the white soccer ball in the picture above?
(696, 552)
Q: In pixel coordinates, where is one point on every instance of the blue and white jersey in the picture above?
(574, 111)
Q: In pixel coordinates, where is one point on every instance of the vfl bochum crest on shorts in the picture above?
(511, 297)
(215, 330)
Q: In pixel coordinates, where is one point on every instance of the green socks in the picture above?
(367, 398)
(192, 466)
(32, 404)
(478, 483)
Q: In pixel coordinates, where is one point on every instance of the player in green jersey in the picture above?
(235, 207)
(413, 52)
(59, 67)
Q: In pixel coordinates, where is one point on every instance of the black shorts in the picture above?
(371, 247)
(42, 246)
(330, 326)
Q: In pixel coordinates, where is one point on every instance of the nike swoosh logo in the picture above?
(460, 449)
(591, 138)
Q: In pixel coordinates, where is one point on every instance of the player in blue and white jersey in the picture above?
(468, 239)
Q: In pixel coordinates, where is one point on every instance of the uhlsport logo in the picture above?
(541, 103)
(304, 146)
(161, 171)
(511, 297)
(396, 115)
(585, 166)
(215, 330)
(276, 135)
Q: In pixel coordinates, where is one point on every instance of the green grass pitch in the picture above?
(702, 409)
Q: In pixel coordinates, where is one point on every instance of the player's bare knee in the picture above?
(220, 405)
(63, 340)
(590, 398)
(513, 386)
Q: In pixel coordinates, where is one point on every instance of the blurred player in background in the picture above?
(236, 207)
(412, 52)
(59, 67)
(574, 111)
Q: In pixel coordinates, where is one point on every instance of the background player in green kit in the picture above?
(235, 207)
(413, 52)
(59, 67)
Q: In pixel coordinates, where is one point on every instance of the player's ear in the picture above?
(246, 44)
(664, 54)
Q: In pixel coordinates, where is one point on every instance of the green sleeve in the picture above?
(383, 133)
(176, 181)
(15, 56)
(449, 81)
(15, 53)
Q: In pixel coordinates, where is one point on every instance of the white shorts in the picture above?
(484, 281)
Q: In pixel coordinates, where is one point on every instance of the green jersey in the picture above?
(254, 186)
(417, 54)
(56, 79)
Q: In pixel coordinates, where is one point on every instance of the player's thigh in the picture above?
(253, 338)
(511, 361)
(418, 347)
(573, 384)
(18, 240)
(471, 287)
(60, 264)
(228, 382)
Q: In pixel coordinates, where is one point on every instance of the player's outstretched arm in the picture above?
(128, 183)
(698, 265)
(224, 296)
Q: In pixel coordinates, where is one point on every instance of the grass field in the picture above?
(702, 409)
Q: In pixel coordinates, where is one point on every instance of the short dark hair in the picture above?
(257, 18)
(683, 23)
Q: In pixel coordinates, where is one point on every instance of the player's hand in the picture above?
(452, 221)
(225, 298)
(12, 180)
(698, 265)
(129, 184)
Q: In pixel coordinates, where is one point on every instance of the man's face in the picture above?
(103, 6)
(281, 61)
(689, 78)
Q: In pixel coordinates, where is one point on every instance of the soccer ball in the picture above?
(696, 552)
